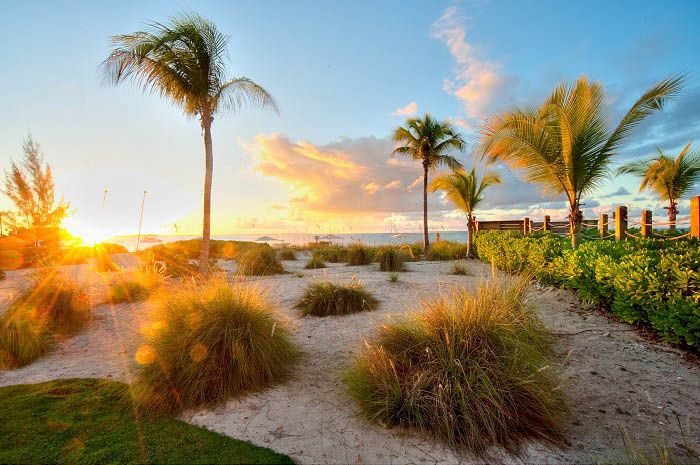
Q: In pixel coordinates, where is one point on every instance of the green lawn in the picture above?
(93, 421)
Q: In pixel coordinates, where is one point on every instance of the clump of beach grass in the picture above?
(259, 261)
(359, 254)
(391, 258)
(208, 342)
(461, 269)
(328, 299)
(446, 250)
(393, 277)
(138, 285)
(315, 262)
(471, 369)
(287, 253)
(23, 338)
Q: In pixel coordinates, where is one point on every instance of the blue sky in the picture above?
(340, 71)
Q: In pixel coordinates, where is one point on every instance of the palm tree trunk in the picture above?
(426, 239)
(575, 226)
(672, 212)
(470, 235)
(206, 223)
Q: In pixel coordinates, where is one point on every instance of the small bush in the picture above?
(137, 285)
(287, 254)
(359, 254)
(61, 303)
(446, 250)
(391, 258)
(461, 269)
(23, 338)
(315, 263)
(393, 277)
(331, 253)
(209, 342)
(326, 298)
(470, 369)
(259, 261)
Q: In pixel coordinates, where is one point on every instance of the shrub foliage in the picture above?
(208, 342)
(359, 254)
(653, 282)
(469, 368)
(391, 258)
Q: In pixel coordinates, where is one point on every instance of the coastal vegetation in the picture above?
(258, 261)
(391, 258)
(208, 342)
(315, 262)
(566, 145)
(138, 285)
(432, 143)
(329, 299)
(183, 62)
(359, 254)
(466, 368)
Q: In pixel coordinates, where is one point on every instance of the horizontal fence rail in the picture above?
(621, 224)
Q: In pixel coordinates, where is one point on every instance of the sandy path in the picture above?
(613, 379)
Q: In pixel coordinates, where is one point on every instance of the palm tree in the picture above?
(431, 142)
(465, 191)
(183, 62)
(670, 178)
(566, 144)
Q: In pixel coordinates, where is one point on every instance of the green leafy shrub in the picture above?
(315, 262)
(327, 298)
(393, 277)
(359, 254)
(646, 281)
(209, 342)
(446, 250)
(287, 253)
(259, 261)
(469, 369)
(391, 258)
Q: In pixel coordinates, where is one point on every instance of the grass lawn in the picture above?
(93, 421)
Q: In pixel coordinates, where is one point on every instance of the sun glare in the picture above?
(87, 233)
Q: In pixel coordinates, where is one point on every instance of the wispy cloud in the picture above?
(409, 110)
(476, 80)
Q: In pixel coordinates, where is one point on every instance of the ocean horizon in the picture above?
(386, 238)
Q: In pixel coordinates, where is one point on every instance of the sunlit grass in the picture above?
(287, 253)
(359, 254)
(315, 262)
(391, 258)
(208, 342)
(327, 298)
(471, 368)
(137, 285)
(259, 261)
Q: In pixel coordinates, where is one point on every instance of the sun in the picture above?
(87, 233)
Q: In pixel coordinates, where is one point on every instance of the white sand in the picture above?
(614, 380)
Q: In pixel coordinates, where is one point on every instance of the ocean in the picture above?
(297, 238)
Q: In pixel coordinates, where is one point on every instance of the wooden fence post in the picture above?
(620, 223)
(646, 223)
(526, 225)
(603, 225)
(695, 217)
(546, 226)
(476, 224)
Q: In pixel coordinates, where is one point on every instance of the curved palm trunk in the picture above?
(426, 239)
(470, 235)
(672, 212)
(575, 219)
(206, 223)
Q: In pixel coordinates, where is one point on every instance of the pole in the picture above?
(104, 198)
(138, 238)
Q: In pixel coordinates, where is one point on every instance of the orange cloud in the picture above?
(409, 110)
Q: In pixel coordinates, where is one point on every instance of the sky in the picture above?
(344, 74)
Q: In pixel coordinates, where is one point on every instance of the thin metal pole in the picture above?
(104, 198)
(138, 239)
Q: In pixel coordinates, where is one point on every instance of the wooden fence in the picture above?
(621, 224)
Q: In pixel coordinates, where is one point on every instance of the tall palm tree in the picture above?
(465, 191)
(431, 142)
(670, 178)
(566, 144)
(183, 62)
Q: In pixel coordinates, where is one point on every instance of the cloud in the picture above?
(621, 191)
(476, 80)
(409, 110)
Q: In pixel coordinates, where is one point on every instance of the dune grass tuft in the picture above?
(315, 262)
(391, 258)
(393, 277)
(446, 250)
(259, 261)
(138, 285)
(23, 338)
(471, 369)
(359, 254)
(327, 298)
(62, 303)
(287, 253)
(208, 342)
(461, 269)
